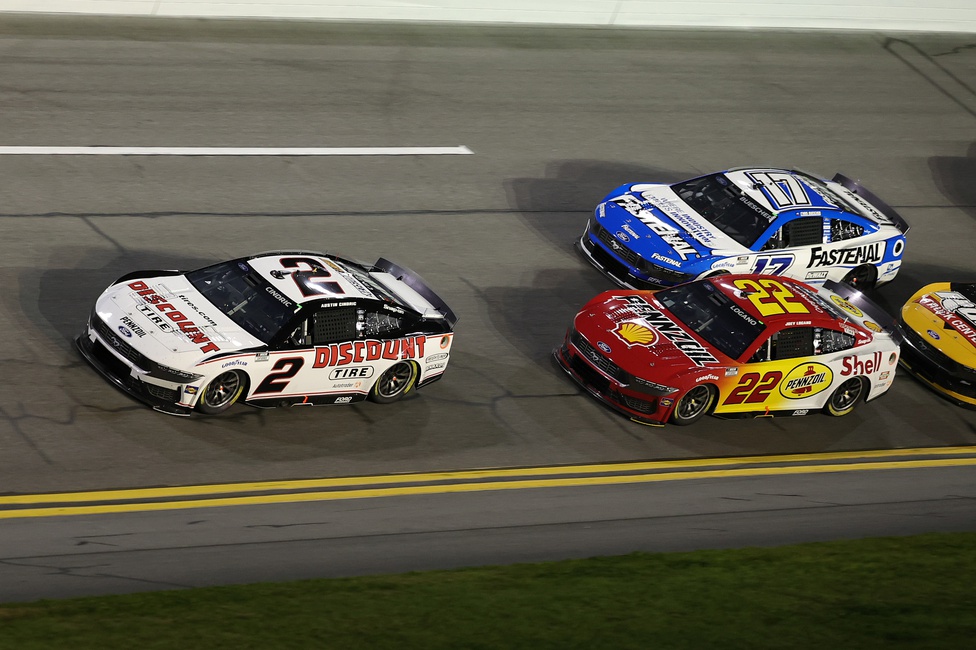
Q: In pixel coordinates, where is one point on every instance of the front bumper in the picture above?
(119, 373)
(639, 407)
(949, 378)
(622, 265)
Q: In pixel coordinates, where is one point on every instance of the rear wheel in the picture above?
(693, 405)
(846, 397)
(862, 278)
(394, 383)
(221, 393)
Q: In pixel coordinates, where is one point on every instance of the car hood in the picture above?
(169, 321)
(641, 338)
(652, 221)
(938, 317)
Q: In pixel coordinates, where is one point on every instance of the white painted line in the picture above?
(235, 151)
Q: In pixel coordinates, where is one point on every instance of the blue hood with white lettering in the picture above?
(654, 223)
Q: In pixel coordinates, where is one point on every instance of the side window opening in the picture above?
(827, 341)
(841, 230)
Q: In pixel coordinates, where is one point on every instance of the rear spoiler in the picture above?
(872, 311)
(417, 283)
(885, 209)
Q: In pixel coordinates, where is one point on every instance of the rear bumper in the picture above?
(119, 374)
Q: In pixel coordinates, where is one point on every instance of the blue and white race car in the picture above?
(745, 220)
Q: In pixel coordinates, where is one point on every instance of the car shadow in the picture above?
(557, 205)
(954, 175)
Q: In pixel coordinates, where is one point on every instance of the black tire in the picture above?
(222, 392)
(395, 382)
(862, 278)
(694, 404)
(846, 397)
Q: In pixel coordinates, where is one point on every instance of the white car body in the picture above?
(312, 329)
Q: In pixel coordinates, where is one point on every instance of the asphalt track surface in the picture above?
(555, 118)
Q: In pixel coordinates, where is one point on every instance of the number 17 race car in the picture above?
(274, 329)
(733, 346)
(766, 221)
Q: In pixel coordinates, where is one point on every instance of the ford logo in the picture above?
(603, 346)
(933, 334)
(126, 332)
(622, 236)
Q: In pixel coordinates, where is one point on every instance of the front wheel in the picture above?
(221, 393)
(693, 405)
(394, 383)
(846, 397)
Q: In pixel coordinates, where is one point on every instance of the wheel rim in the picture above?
(395, 380)
(847, 395)
(694, 402)
(223, 389)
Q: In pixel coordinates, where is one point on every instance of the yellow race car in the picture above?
(939, 325)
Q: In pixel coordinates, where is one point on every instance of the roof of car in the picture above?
(320, 276)
(777, 301)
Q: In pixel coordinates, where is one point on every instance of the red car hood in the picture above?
(641, 338)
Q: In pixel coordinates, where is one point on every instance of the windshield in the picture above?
(238, 291)
(724, 205)
(713, 316)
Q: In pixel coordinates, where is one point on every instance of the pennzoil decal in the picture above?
(635, 334)
(846, 306)
(805, 380)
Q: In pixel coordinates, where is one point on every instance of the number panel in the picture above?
(771, 297)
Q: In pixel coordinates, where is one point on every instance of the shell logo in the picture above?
(635, 334)
(806, 380)
(846, 306)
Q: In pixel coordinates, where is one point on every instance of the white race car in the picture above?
(273, 329)
(745, 220)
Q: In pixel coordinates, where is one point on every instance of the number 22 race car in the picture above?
(273, 329)
(733, 346)
(766, 221)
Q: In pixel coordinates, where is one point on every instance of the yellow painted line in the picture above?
(480, 487)
(467, 475)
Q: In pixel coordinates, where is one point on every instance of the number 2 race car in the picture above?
(766, 221)
(274, 329)
(733, 345)
(939, 324)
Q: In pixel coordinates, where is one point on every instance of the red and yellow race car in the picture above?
(939, 325)
(732, 346)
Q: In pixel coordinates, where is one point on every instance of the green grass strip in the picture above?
(907, 592)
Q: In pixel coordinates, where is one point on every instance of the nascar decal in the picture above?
(671, 236)
(956, 310)
(670, 330)
(185, 325)
(863, 254)
(635, 334)
(805, 380)
(343, 354)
